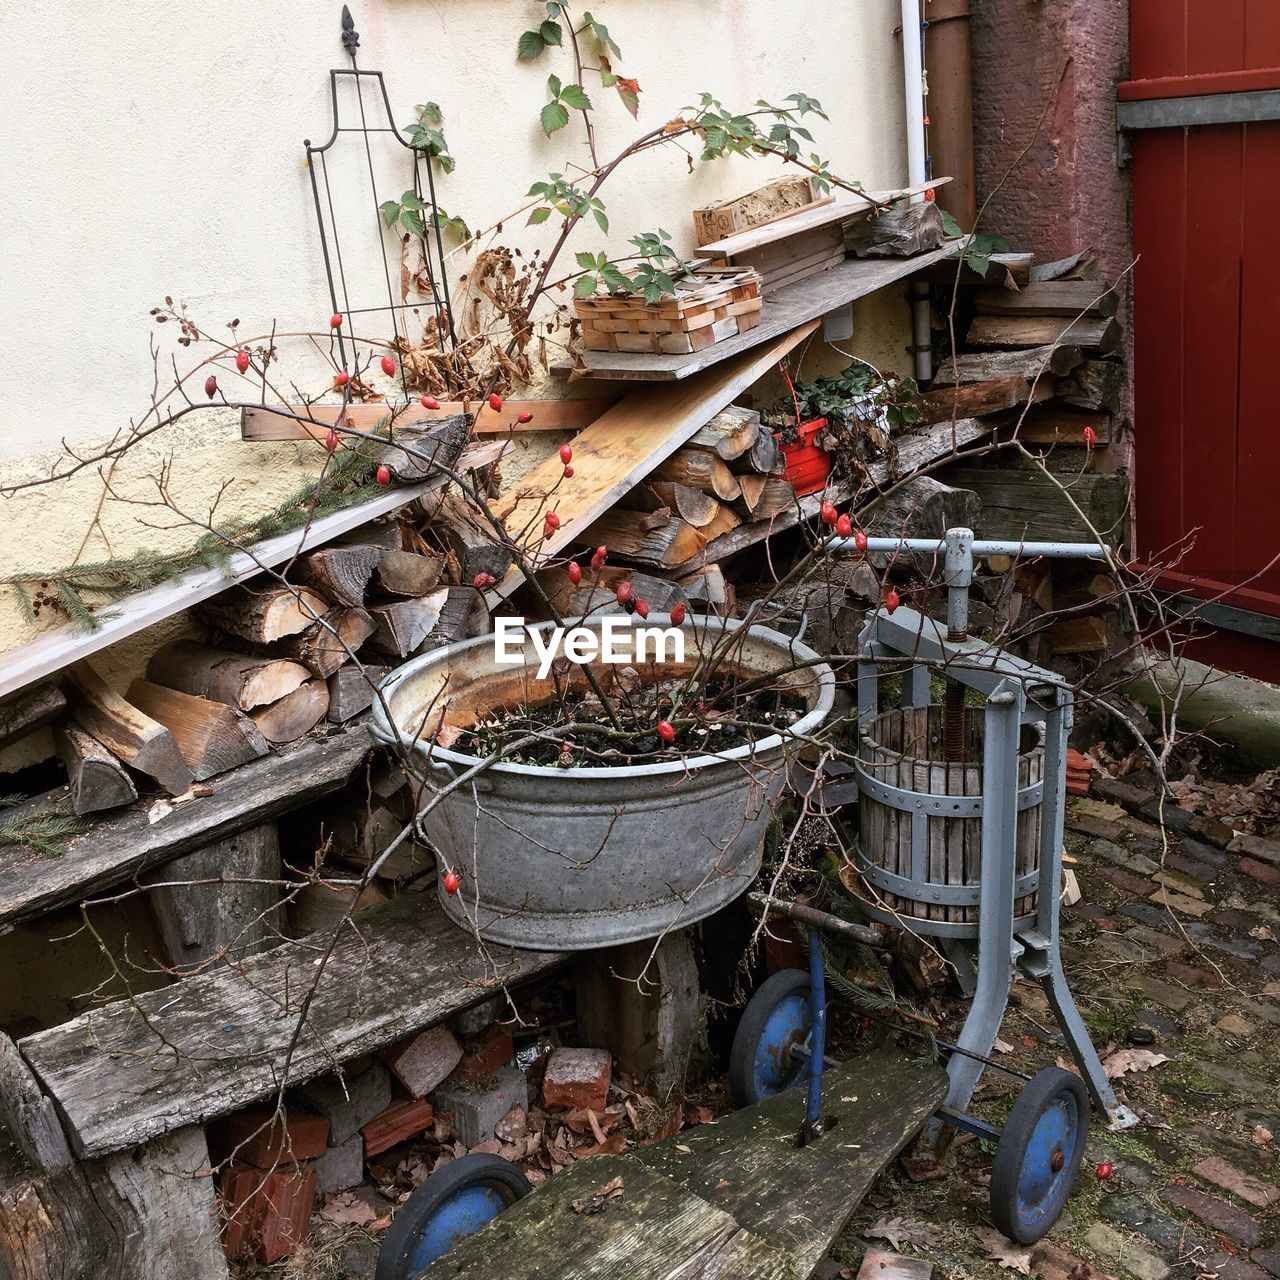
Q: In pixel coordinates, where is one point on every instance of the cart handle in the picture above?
(822, 920)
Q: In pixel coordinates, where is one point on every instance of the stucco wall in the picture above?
(162, 154)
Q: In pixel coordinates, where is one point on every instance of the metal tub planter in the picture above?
(556, 859)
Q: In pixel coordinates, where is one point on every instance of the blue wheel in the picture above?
(450, 1204)
(776, 1021)
(1038, 1155)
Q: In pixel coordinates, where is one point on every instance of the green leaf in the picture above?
(584, 287)
(979, 262)
(412, 222)
(950, 226)
(554, 116)
(587, 261)
(601, 33)
(550, 32)
(390, 210)
(553, 86)
(614, 279)
(539, 215)
(601, 219)
(530, 45)
(410, 200)
(430, 113)
(574, 96)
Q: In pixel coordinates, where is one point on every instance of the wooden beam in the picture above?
(97, 780)
(119, 847)
(33, 710)
(984, 366)
(212, 736)
(1101, 336)
(547, 415)
(426, 969)
(974, 399)
(130, 734)
(59, 646)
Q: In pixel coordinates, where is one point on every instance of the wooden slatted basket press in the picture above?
(709, 305)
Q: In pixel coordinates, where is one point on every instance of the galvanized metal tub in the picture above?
(556, 859)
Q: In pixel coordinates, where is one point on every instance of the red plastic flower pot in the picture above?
(804, 464)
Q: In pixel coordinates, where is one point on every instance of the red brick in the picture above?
(268, 1212)
(1126, 883)
(422, 1061)
(1260, 871)
(1190, 976)
(398, 1123)
(577, 1079)
(260, 1136)
(483, 1055)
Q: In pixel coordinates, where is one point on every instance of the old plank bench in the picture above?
(733, 1200)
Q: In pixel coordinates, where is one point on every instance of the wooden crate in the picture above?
(777, 199)
(710, 304)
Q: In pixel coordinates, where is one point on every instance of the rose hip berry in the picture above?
(341, 378)
(575, 572)
(483, 581)
(860, 540)
(211, 386)
(1104, 1171)
(388, 366)
(677, 615)
(429, 402)
(844, 527)
(495, 403)
(566, 454)
(597, 560)
(526, 416)
(891, 601)
(330, 440)
(1090, 437)
(568, 473)
(335, 321)
(451, 882)
(828, 513)
(623, 592)
(551, 520)
(383, 474)
(242, 360)
(666, 731)
(642, 608)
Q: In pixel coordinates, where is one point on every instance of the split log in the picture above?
(341, 574)
(974, 399)
(131, 735)
(595, 597)
(708, 590)
(1067, 298)
(351, 690)
(97, 780)
(359, 834)
(262, 614)
(1102, 336)
(1097, 385)
(730, 434)
(896, 233)
(764, 497)
(987, 366)
(465, 615)
(221, 902)
(777, 199)
(1014, 270)
(471, 540)
(406, 573)
(329, 641)
(632, 536)
(212, 736)
(699, 469)
(30, 710)
(402, 626)
(764, 458)
(385, 534)
(324, 906)
(28, 1117)
(240, 680)
(1051, 425)
(418, 450)
(924, 508)
(1080, 635)
(294, 714)
(692, 505)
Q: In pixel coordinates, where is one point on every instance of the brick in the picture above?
(1190, 867)
(1205, 853)
(1122, 880)
(1158, 943)
(477, 1108)
(1234, 1025)
(1091, 912)
(1123, 793)
(1258, 847)
(1180, 902)
(1146, 914)
(1228, 1267)
(1269, 1258)
(1216, 1170)
(1123, 948)
(270, 1211)
(401, 1121)
(1190, 976)
(1175, 1239)
(880, 1264)
(1178, 819)
(259, 1136)
(351, 1101)
(1120, 1249)
(1050, 1262)
(1217, 1215)
(484, 1055)
(341, 1167)
(1110, 852)
(577, 1079)
(1262, 872)
(1162, 993)
(421, 1061)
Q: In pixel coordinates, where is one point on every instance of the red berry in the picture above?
(677, 615)
(860, 540)
(383, 474)
(891, 601)
(597, 560)
(429, 402)
(551, 520)
(1090, 437)
(388, 366)
(568, 473)
(211, 386)
(828, 513)
(335, 321)
(844, 527)
(623, 592)
(526, 416)
(566, 454)
(341, 378)
(451, 882)
(575, 572)
(483, 581)
(642, 608)
(330, 440)
(495, 403)
(242, 360)
(666, 731)
(1104, 1171)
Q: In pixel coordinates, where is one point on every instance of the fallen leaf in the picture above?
(1126, 1060)
(597, 1200)
(1261, 1135)
(682, 1149)
(1263, 932)
(614, 1145)
(900, 1231)
(1004, 1251)
(347, 1210)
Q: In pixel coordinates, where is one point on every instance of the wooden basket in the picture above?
(710, 304)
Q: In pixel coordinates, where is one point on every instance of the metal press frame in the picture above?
(1017, 693)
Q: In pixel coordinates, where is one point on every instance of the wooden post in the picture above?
(653, 1026)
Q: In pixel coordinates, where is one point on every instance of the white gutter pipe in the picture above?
(917, 172)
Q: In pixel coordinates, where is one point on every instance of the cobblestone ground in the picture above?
(1172, 948)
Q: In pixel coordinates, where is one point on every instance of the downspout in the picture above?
(917, 172)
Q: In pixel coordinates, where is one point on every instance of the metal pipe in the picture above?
(1005, 547)
(917, 172)
(947, 47)
(822, 920)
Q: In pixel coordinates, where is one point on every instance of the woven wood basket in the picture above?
(710, 304)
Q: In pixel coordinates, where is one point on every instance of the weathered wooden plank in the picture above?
(226, 1034)
(782, 311)
(128, 842)
(35, 709)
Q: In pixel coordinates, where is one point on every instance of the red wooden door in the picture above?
(1206, 321)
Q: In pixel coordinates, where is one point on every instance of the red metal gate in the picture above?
(1202, 115)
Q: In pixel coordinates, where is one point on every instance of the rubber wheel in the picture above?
(452, 1203)
(1038, 1155)
(776, 1019)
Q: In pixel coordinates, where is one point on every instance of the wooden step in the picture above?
(129, 1071)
